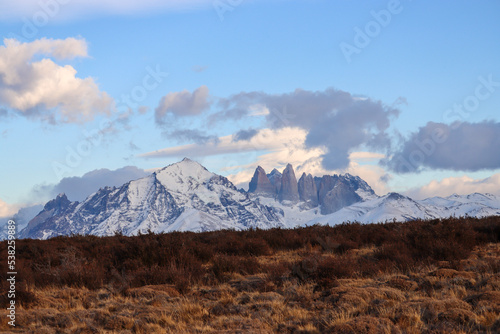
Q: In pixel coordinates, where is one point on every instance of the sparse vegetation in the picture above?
(422, 276)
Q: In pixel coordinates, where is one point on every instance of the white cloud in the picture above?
(44, 89)
(366, 156)
(258, 110)
(284, 146)
(7, 210)
(265, 139)
(372, 174)
(462, 185)
(281, 146)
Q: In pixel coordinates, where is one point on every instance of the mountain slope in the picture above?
(401, 208)
(182, 196)
(187, 197)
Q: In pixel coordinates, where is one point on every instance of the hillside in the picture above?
(421, 276)
(185, 196)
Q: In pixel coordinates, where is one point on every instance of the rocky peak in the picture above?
(289, 189)
(336, 192)
(340, 196)
(307, 190)
(327, 183)
(260, 183)
(275, 178)
(359, 185)
(58, 204)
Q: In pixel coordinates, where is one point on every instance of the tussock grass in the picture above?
(437, 276)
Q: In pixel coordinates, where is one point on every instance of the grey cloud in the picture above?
(3, 113)
(199, 68)
(237, 106)
(245, 135)
(78, 188)
(196, 136)
(183, 104)
(133, 147)
(334, 119)
(459, 146)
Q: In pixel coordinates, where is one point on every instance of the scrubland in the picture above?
(440, 276)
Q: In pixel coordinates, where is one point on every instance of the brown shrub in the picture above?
(151, 291)
(495, 328)
(490, 283)
(397, 253)
(118, 323)
(248, 284)
(402, 283)
(486, 301)
(59, 320)
(365, 325)
(451, 273)
(355, 298)
(324, 270)
(23, 296)
(226, 264)
(458, 317)
(431, 308)
(181, 258)
(277, 273)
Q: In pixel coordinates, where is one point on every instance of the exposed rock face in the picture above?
(187, 197)
(53, 208)
(359, 185)
(275, 178)
(260, 183)
(317, 181)
(59, 204)
(326, 184)
(289, 189)
(180, 197)
(335, 193)
(307, 190)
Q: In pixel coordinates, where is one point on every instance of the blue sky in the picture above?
(260, 67)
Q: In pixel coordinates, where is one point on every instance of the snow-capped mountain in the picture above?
(330, 193)
(473, 205)
(181, 197)
(187, 197)
(401, 208)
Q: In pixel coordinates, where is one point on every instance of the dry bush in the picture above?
(402, 283)
(182, 257)
(365, 325)
(422, 276)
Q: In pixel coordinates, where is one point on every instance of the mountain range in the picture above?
(185, 196)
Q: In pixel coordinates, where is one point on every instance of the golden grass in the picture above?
(433, 299)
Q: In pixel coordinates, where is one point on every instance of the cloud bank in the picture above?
(459, 147)
(78, 188)
(463, 185)
(333, 119)
(6, 209)
(265, 139)
(197, 136)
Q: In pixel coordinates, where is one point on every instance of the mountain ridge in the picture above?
(185, 196)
